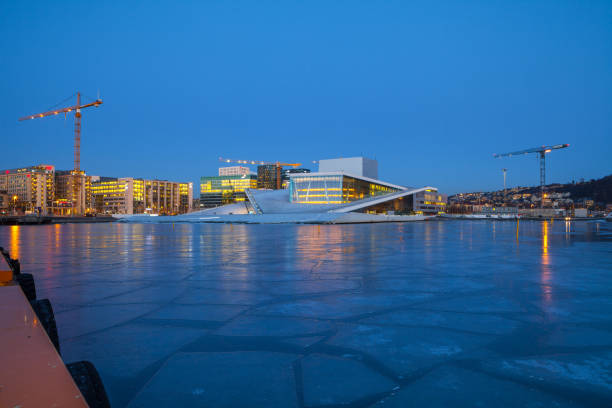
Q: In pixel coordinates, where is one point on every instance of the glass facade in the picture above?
(399, 206)
(30, 188)
(267, 176)
(429, 202)
(333, 189)
(221, 190)
(138, 196)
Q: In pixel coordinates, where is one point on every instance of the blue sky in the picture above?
(431, 89)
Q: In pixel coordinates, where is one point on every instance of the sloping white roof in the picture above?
(357, 205)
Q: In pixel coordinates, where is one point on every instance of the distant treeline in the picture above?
(598, 190)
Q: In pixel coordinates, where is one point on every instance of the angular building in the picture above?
(343, 192)
(129, 195)
(335, 188)
(333, 197)
(221, 190)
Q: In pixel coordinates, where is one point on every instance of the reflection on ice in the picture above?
(314, 315)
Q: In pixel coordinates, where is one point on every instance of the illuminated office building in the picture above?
(30, 189)
(65, 199)
(128, 195)
(234, 171)
(220, 190)
(4, 202)
(267, 176)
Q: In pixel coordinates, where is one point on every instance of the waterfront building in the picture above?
(31, 189)
(335, 188)
(220, 190)
(359, 166)
(430, 201)
(129, 195)
(267, 176)
(363, 194)
(65, 194)
(504, 211)
(234, 171)
(542, 212)
(4, 201)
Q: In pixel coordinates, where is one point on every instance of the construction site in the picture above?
(41, 193)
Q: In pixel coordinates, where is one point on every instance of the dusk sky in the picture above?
(431, 89)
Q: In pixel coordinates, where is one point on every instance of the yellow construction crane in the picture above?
(78, 205)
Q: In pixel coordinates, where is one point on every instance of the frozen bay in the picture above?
(436, 313)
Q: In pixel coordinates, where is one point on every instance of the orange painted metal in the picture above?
(32, 374)
(62, 110)
(6, 273)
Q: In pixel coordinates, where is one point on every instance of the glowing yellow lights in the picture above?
(321, 202)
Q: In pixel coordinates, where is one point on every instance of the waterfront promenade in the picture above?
(439, 313)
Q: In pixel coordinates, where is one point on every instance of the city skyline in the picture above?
(355, 80)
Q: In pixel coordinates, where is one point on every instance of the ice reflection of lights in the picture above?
(546, 277)
(57, 234)
(321, 244)
(236, 250)
(15, 229)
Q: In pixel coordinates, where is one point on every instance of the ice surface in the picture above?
(142, 347)
(338, 381)
(456, 387)
(588, 373)
(342, 306)
(406, 350)
(302, 315)
(214, 313)
(274, 326)
(256, 379)
(468, 322)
